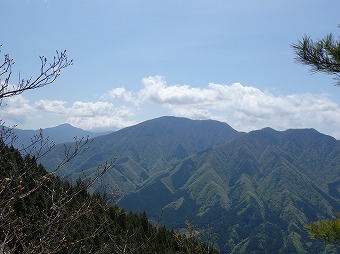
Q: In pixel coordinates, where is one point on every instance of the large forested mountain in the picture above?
(39, 213)
(255, 191)
(143, 151)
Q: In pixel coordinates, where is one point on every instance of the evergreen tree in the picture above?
(321, 55)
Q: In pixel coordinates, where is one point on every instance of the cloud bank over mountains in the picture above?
(244, 107)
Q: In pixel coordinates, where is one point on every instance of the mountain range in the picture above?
(59, 134)
(252, 191)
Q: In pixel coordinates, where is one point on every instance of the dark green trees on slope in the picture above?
(39, 213)
(143, 151)
(254, 192)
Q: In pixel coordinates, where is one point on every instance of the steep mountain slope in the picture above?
(257, 191)
(42, 214)
(144, 151)
(254, 191)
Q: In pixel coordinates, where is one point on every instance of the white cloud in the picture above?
(121, 93)
(100, 122)
(243, 107)
(89, 115)
(51, 106)
(156, 90)
(16, 110)
(246, 108)
(88, 109)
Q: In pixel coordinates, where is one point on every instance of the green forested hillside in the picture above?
(39, 213)
(257, 191)
(253, 191)
(143, 151)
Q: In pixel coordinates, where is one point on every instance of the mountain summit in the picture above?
(254, 191)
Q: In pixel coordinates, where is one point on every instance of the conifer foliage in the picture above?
(321, 55)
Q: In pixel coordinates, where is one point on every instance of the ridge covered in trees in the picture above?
(42, 214)
(255, 191)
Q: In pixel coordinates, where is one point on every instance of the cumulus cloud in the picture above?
(100, 122)
(243, 107)
(156, 90)
(120, 93)
(51, 106)
(89, 115)
(16, 110)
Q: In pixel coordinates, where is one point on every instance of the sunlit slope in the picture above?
(143, 151)
(257, 191)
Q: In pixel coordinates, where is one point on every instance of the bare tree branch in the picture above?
(49, 72)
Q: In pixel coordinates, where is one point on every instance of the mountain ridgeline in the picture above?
(253, 191)
(60, 134)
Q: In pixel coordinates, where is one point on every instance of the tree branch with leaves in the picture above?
(321, 55)
(327, 230)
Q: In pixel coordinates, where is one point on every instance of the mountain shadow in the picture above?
(256, 191)
(253, 191)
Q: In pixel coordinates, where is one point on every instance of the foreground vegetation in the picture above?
(322, 56)
(42, 214)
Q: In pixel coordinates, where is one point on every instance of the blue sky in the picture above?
(135, 60)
